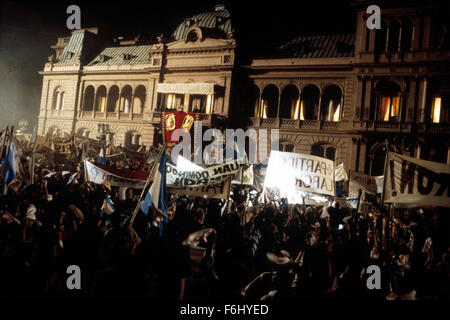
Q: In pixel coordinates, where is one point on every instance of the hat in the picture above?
(15, 184)
(107, 185)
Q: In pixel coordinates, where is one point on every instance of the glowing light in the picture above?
(301, 112)
(297, 105)
(208, 103)
(437, 110)
(337, 113)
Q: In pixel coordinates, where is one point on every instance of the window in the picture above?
(389, 108)
(440, 110)
(89, 98)
(269, 107)
(289, 103)
(389, 102)
(324, 151)
(58, 99)
(286, 147)
(331, 103)
(174, 100)
(139, 99)
(310, 103)
(125, 99)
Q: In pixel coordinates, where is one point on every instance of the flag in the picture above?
(340, 173)
(13, 166)
(157, 194)
(102, 157)
(108, 205)
(71, 178)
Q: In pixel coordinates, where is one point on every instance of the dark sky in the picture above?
(28, 29)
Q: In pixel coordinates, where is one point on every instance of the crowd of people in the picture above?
(241, 248)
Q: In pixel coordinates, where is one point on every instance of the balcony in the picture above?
(208, 120)
(436, 128)
(297, 124)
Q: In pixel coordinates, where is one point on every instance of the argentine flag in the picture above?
(157, 194)
(108, 206)
(12, 169)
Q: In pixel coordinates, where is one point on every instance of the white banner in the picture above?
(216, 190)
(340, 173)
(98, 175)
(291, 174)
(411, 180)
(200, 177)
(364, 182)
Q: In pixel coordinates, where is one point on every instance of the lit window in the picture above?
(437, 110)
(389, 109)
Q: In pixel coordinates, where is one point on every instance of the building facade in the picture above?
(337, 96)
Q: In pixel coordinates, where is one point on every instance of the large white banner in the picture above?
(415, 181)
(174, 176)
(215, 190)
(292, 174)
(98, 175)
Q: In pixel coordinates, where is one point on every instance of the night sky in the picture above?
(28, 29)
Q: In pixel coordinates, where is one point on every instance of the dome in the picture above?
(218, 22)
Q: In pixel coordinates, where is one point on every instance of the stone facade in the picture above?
(339, 96)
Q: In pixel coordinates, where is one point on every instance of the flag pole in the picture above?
(145, 189)
(385, 168)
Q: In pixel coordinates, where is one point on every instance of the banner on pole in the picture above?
(117, 178)
(291, 175)
(201, 177)
(370, 184)
(411, 180)
(215, 190)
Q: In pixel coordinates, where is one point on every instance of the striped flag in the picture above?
(13, 166)
(157, 194)
(108, 205)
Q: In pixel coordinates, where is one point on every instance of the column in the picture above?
(367, 99)
(410, 101)
(422, 99)
(362, 155)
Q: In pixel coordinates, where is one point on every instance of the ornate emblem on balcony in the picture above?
(170, 122)
(187, 122)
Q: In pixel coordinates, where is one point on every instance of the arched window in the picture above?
(289, 103)
(58, 99)
(309, 103)
(113, 99)
(89, 93)
(100, 99)
(269, 102)
(125, 99)
(388, 101)
(323, 150)
(254, 100)
(139, 99)
(330, 108)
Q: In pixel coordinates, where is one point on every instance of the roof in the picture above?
(206, 20)
(73, 48)
(115, 56)
(325, 46)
